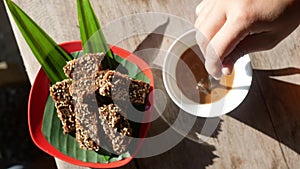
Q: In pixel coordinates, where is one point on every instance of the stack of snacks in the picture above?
(85, 103)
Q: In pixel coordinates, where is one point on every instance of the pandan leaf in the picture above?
(51, 56)
(92, 37)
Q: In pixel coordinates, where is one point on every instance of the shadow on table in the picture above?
(278, 113)
(16, 146)
(148, 49)
(186, 154)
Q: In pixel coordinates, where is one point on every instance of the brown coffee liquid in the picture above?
(190, 70)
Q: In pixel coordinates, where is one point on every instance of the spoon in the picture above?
(205, 85)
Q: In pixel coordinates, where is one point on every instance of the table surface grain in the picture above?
(262, 133)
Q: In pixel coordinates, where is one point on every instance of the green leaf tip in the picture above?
(49, 54)
(92, 37)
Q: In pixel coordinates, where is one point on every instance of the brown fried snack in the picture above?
(64, 104)
(138, 91)
(116, 127)
(84, 141)
(84, 103)
(87, 126)
(120, 87)
(83, 72)
(74, 67)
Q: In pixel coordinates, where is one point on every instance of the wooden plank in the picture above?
(279, 82)
(251, 137)
(244, 139)
(187, 153)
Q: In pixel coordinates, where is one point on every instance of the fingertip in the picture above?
(216, 78)
(211, 54)
(226, 71)
(213, 63)
(214, 69)
(198, 9)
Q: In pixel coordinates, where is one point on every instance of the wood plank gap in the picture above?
(136, 163)
(272, 121)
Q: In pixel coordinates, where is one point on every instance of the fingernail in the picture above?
(226, 71)
(217, 78)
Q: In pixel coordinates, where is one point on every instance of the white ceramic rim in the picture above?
(235, 96)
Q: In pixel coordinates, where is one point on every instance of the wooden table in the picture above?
(262, 133)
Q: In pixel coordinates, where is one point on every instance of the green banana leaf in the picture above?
(51, 56)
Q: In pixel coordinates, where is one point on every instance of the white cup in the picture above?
(235, 96)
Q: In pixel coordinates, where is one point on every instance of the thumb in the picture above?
(223, 43)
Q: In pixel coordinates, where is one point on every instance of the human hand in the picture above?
(228, 29)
